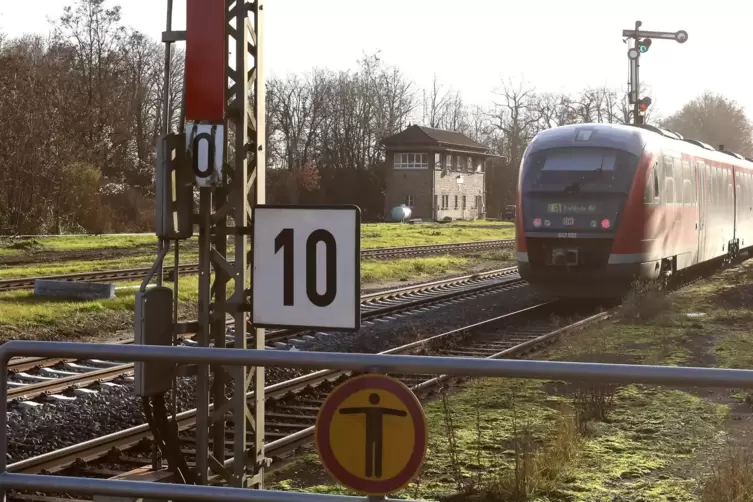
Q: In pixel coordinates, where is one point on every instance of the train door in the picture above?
(736, 179)
(730, 213)
(701, 189)
(711, 226)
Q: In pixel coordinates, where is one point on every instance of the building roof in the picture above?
(428, 136)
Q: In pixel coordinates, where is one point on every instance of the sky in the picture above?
(551, 45)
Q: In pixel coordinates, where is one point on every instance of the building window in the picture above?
(409, 200)
(438, 161)
(445, 201)
(448, 161)
(479, 165)
(411, 161)
(463, 201)
(456, 202)
(436, 201)
(460, 162)
(469, 164)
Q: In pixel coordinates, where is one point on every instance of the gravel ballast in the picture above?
(34, 431)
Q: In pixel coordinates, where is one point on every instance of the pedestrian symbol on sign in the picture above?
(371, 434)
(374, 431)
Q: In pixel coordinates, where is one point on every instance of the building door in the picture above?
(479, 206)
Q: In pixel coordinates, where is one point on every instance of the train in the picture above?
(602, 206)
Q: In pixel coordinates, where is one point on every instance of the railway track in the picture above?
(193, 268)
(32, 381)
(292, 405)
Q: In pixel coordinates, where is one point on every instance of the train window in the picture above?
(730, 196)
(586, 161)
(688, 197)
(651, 192)
(582, 168)
(668, 167)
(699, 177)
(669, 180)
(669, 191)
(688, 185)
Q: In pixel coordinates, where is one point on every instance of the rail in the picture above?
(380, 363)
(189, 268)
(373, 306)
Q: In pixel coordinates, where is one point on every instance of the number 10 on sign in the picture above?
(306, 267)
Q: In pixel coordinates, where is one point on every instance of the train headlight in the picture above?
(537, 222)
(605, 223)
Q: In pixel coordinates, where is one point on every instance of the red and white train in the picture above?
(601, 205)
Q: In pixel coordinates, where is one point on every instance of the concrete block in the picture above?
(74, 289)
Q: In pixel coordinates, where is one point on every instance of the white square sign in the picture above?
(307, 267)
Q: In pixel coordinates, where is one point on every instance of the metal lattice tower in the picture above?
(244, 187)
(225, 209)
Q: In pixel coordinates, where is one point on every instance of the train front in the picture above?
(573, 188)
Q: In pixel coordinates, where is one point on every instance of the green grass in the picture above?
(23, 315)
(648, 430)
(40, 269)
(655, 444)
(11, 247)
(373, 235)
(378, 235)
(412, 269)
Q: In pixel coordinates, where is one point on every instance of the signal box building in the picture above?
(438, 174)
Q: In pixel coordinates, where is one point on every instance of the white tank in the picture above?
(401, 212)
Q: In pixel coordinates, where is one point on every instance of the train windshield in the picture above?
(579, 169)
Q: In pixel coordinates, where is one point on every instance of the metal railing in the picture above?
(451, 366)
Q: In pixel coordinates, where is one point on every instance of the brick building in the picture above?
(438, 174)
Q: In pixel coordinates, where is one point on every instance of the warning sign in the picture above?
(371, 434)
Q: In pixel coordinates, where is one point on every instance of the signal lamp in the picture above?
(605, 223)
(644, 103)
(537, 222)
(644, 44)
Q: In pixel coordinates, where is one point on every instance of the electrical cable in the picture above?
(156, 433)
(172, 442)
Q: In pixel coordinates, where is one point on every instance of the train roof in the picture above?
(630, 138)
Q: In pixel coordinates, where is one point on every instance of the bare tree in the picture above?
(516, 115)
(714, 119)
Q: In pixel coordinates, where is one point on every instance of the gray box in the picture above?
(174, 189)
(153, 326)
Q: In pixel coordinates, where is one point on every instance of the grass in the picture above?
(373, 235)
(39, 269)
(528, 440)
(10, 247)
(515, 440)
(371, 270)
(412, 269)
(24, 316)
(731, 477)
